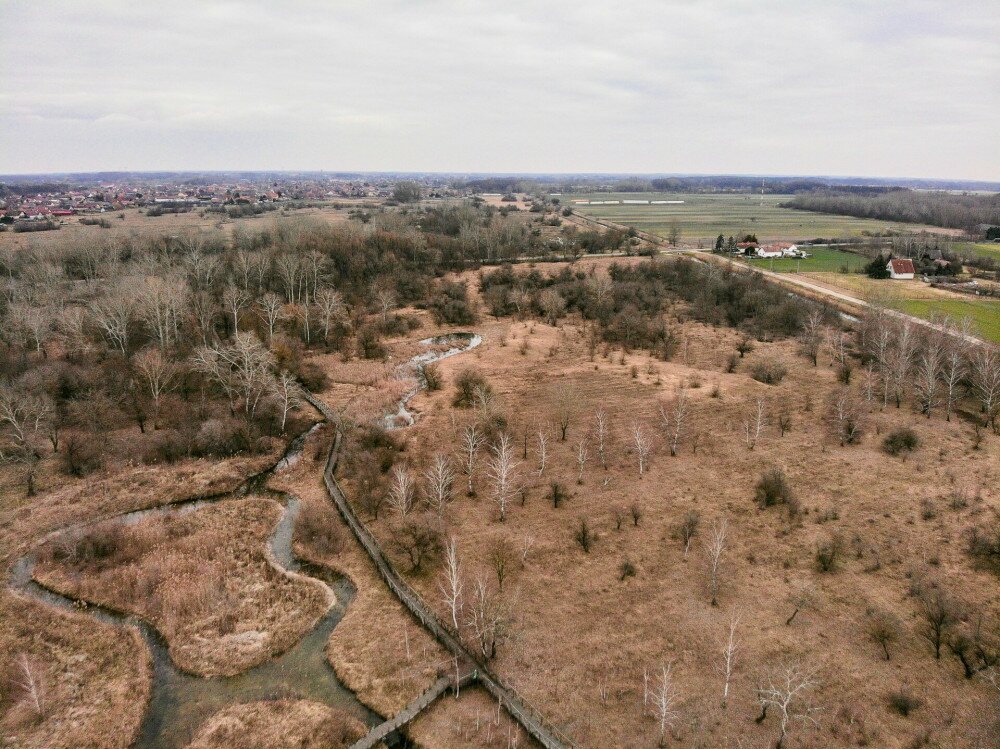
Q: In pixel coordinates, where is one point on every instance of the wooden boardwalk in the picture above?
(411, 711)
(548, 735)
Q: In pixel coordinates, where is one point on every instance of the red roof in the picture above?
(902, 265)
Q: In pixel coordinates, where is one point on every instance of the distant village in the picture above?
(37, 206)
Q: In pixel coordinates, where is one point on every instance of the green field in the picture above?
(703, 217)
(984, 313)
(980, 249)
(823, 260)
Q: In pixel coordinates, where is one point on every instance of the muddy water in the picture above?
(180, 702)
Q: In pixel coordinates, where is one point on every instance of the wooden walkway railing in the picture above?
(411, 711)
(548, 735)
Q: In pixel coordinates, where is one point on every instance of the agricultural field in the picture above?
(822, 260)
(989, 250)
(701, 218)
(985, 313)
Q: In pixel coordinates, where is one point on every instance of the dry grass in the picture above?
(377, 650)
(282, 724)
(583, 637)
(93, 679)
(203, 578)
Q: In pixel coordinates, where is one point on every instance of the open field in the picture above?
(583, 634)
(701, 218)
(985, 313)
(823, 260)
(989, 250)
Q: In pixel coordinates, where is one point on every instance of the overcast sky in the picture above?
(877, 88)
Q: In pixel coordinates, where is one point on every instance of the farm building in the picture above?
(901, 269)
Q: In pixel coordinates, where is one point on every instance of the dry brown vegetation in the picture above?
(582, 632)
(282, 724)
(203, 578)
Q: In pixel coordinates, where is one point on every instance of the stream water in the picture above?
(180, 702)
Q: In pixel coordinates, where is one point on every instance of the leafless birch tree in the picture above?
(543, 444)
(985, 376)
(715, 548)
(472, 440)
(601, 433)
(439, 479)
(159, 374)
(270, 309)
(287, 393)
(729, 649)
(502, 468)
(401, 491)
(663, 698)
(674, 415)
(643, 446)
(787, 695)
(582, 454)
(753, 424)
(452, 584)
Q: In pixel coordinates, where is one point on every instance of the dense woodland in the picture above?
(955, 211)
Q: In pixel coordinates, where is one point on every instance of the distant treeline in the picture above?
(954, 211)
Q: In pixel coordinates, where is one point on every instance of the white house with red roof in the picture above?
(901, 269)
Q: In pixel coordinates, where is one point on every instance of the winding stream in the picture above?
(179, 701)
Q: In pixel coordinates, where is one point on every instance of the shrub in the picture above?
(584, 536)
(557, 493)
(828, 553)
(81, 454)
(984, 546)
(902, 440)
(903, 702)
(627, 569)
(773, 489)
(318, 528)
(432, 377)
(469, 383)
(769, 372)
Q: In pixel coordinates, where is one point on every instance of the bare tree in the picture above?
(270, 309)
(115, 314)
(502, 468)
(543, 443)
(845, 417)
(565, 406)
(953, 371)
(581, 459)
(663, 698)
(472, 440)
(159, 374)
(234, 299)
(715, 547)
(687, 529)
(811, 337)
(941, 613)
(926, 382)
(883, 629)
(439, 478)
(500, 559)
(242, 367)
(753, 424)
(401, 491)
(674, 415)
(601, 432)
(643, 446)
(287, 393)
(452, 584)
(553, 304)
(331, 307)
(730, 647)
(488, 618)
(985, 376)
(787, 694)
(28, 681)
(385, 300)
(901, 360)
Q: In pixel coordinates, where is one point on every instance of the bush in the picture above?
(557, 493)
(81, 455)
(772, 489)
(584, 536)
(769, 372)
(902, 440)
(627, 569)
(451, 305)
(828, 553)
(903, 702)
(432, 377)
(469, 383)
(984, 546)
(318, 528)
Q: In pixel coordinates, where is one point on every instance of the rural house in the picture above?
(901, 269)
